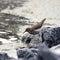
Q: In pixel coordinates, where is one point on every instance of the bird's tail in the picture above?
(38, 25)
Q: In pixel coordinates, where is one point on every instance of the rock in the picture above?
(26, 38)
(47, 35)
(51, 36)
(46, 55)
(4, 56)
(39, 53)
(56, 49)
(26, 54)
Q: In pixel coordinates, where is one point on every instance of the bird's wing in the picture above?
(38, 25)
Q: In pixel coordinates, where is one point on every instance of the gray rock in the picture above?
(51, 36)
(39, 53)
(27, 38)
(4, 56)
(26, 54)
(48, 35)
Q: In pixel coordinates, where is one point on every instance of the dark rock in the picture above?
(4, 56)
(39, 53)
(27, 38)
(26, 54)
(51, 36)
(48, 35)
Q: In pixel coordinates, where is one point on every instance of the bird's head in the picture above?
(27, 30)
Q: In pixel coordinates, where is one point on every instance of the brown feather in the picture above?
(38, 25)
(34, 27)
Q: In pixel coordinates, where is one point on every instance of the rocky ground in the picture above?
(16, 16)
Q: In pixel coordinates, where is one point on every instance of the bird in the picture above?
(32, 29)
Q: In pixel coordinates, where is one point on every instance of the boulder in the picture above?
(4, 56)
(40, 53)
(51, 36)
(47, 35)
(26, 38)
